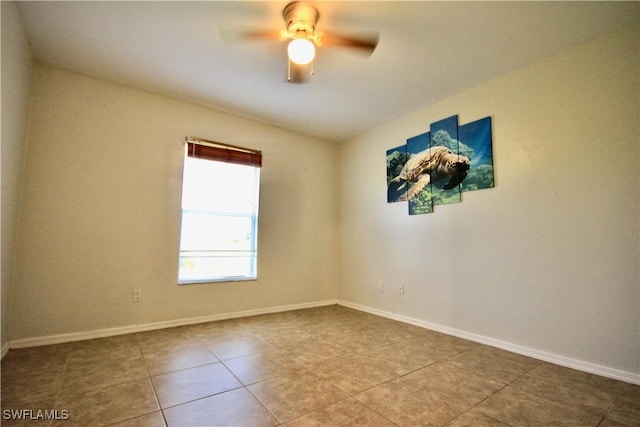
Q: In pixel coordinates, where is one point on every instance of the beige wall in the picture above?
(549, 258)
(102, 211)
(16, 86)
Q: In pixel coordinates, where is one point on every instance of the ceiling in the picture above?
(427, 51)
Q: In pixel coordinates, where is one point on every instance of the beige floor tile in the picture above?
(348, 413)
(496, 364)
(290, 396)
(220, 326)
(350, 344)
(555, 371)
(51, 359)
(374, 337)
(32, 376)
(87, 371)
(441, 346)
(405, 358)
(610, 423)
(407, 405)
(496, 353)
(26, 423)
(108, 405)
(304, 365)
(30, 414)
(400, 331)
(284, 337)
(518, 408)
(351, 375)
(626, 408)
(29, 388)
(568, 392)
(163, 360)
(314, 351)
(229, 346)
(103, 346)
(95, 357)
(474, 418)
(458, 384)
(261, 366)
(164, 338)
(232, 408)
(183, 386)
(154, 419)
(430, 347)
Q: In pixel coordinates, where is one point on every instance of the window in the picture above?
(219, 234)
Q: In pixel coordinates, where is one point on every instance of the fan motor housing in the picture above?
(301, 18)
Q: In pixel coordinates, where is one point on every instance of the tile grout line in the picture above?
(149, 377)
(278, 326)
(243, 385)
(504, 387)
(56, 398)
(263, 405)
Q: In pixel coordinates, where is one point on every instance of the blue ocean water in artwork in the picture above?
(396, 158)
(472, 140)
(445, 129)
(418, 143)
(423, 202)
(477, 136)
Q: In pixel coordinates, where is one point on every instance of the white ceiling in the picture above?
(427, 52)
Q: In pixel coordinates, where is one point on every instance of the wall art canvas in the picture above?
(476, 137)
(407, 179)
(418, 189)
(396, 158)
(435, 167)
(447, 164)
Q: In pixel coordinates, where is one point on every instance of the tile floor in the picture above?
(322, 366)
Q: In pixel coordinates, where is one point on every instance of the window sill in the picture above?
(217, 280)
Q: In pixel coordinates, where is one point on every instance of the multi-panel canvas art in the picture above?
(476, 136)
(435, 167)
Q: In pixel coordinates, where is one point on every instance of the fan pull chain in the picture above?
(289, 70)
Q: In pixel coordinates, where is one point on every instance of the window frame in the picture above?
(225, 153)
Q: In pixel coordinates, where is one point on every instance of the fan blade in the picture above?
(364, 43)
(231, 36)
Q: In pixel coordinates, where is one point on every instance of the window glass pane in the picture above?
(219, 221)
(204, 231)
(208, 266)
(220, 187)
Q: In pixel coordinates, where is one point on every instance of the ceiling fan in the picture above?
(300, 20)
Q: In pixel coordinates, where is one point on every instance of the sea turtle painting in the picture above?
(430, 166)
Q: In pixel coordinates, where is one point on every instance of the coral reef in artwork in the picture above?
(434, 168)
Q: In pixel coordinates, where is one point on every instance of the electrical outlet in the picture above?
(136, 295)
(380, 287)
(401, 290)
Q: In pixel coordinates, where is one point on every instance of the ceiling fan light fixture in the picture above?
(301, 51)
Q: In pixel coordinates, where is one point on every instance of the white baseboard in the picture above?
(5, 350)
(604, 371)
(101, 333)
